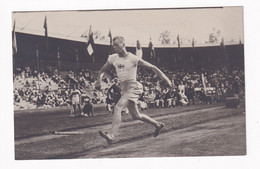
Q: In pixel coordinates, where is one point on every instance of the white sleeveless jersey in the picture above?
(75, 93)
(126, 67)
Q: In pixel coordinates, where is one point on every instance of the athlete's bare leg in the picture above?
(79, 108)
(74, 108)
(133, 109)
(117, 116)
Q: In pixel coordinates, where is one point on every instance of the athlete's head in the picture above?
(119, 44)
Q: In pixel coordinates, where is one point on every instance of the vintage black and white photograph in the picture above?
(129, 83)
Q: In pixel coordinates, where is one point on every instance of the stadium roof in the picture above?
(141, 25)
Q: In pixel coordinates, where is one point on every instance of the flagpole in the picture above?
(93, 58)
(46, 36)
(193, 48)
(158, 59)
(77, 59)
(58, 58)
(179, 48)
(110, 39)
(224, 52)
(37, 58)
(241, 48)
(14, 43)
(14, 67)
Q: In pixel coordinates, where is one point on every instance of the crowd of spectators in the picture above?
(208, 85)
(49, 89)
(41, 89)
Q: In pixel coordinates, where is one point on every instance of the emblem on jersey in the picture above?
(120, 66)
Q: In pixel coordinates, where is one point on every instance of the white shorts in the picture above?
(131, 90)
(169, 102)
(75, 100)
(143, 105)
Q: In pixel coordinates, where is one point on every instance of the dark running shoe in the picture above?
(158, 129)
(105, 136)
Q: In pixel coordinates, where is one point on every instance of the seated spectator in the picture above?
(159, 102)
(168, 99)
(88, 108)
(181, 88)
(183, 99)
(142, 102)
(150, 97)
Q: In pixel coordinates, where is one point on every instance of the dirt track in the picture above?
(214, 138)
(199, 131)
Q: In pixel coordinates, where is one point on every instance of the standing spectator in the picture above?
(75, 100)
(190, 93)
(236, 89)
(109, 102)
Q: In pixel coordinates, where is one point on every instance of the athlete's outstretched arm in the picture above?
(104, 69)
(157, 71)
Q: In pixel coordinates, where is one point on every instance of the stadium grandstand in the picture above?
(43, 79)
(47, 65)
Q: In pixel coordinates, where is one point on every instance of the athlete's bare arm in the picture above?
(157, 71)
(104, 69)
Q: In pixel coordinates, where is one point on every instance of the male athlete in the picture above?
(125, 64)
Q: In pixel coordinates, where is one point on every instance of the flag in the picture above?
(178, 40)
(111, 51)
(46, 32)
(151, 49)
(90, 42)
(90, 49)
(139, 51)
(14, 40)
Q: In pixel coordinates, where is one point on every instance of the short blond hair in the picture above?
(120, 38)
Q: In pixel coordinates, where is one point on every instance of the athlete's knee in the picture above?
(118, 108)
(136, 116)
(120, 105)
(117, 119)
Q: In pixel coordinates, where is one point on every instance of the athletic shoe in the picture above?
(157, 130)
(105, 136)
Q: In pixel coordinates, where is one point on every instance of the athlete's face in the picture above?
(118, 46)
